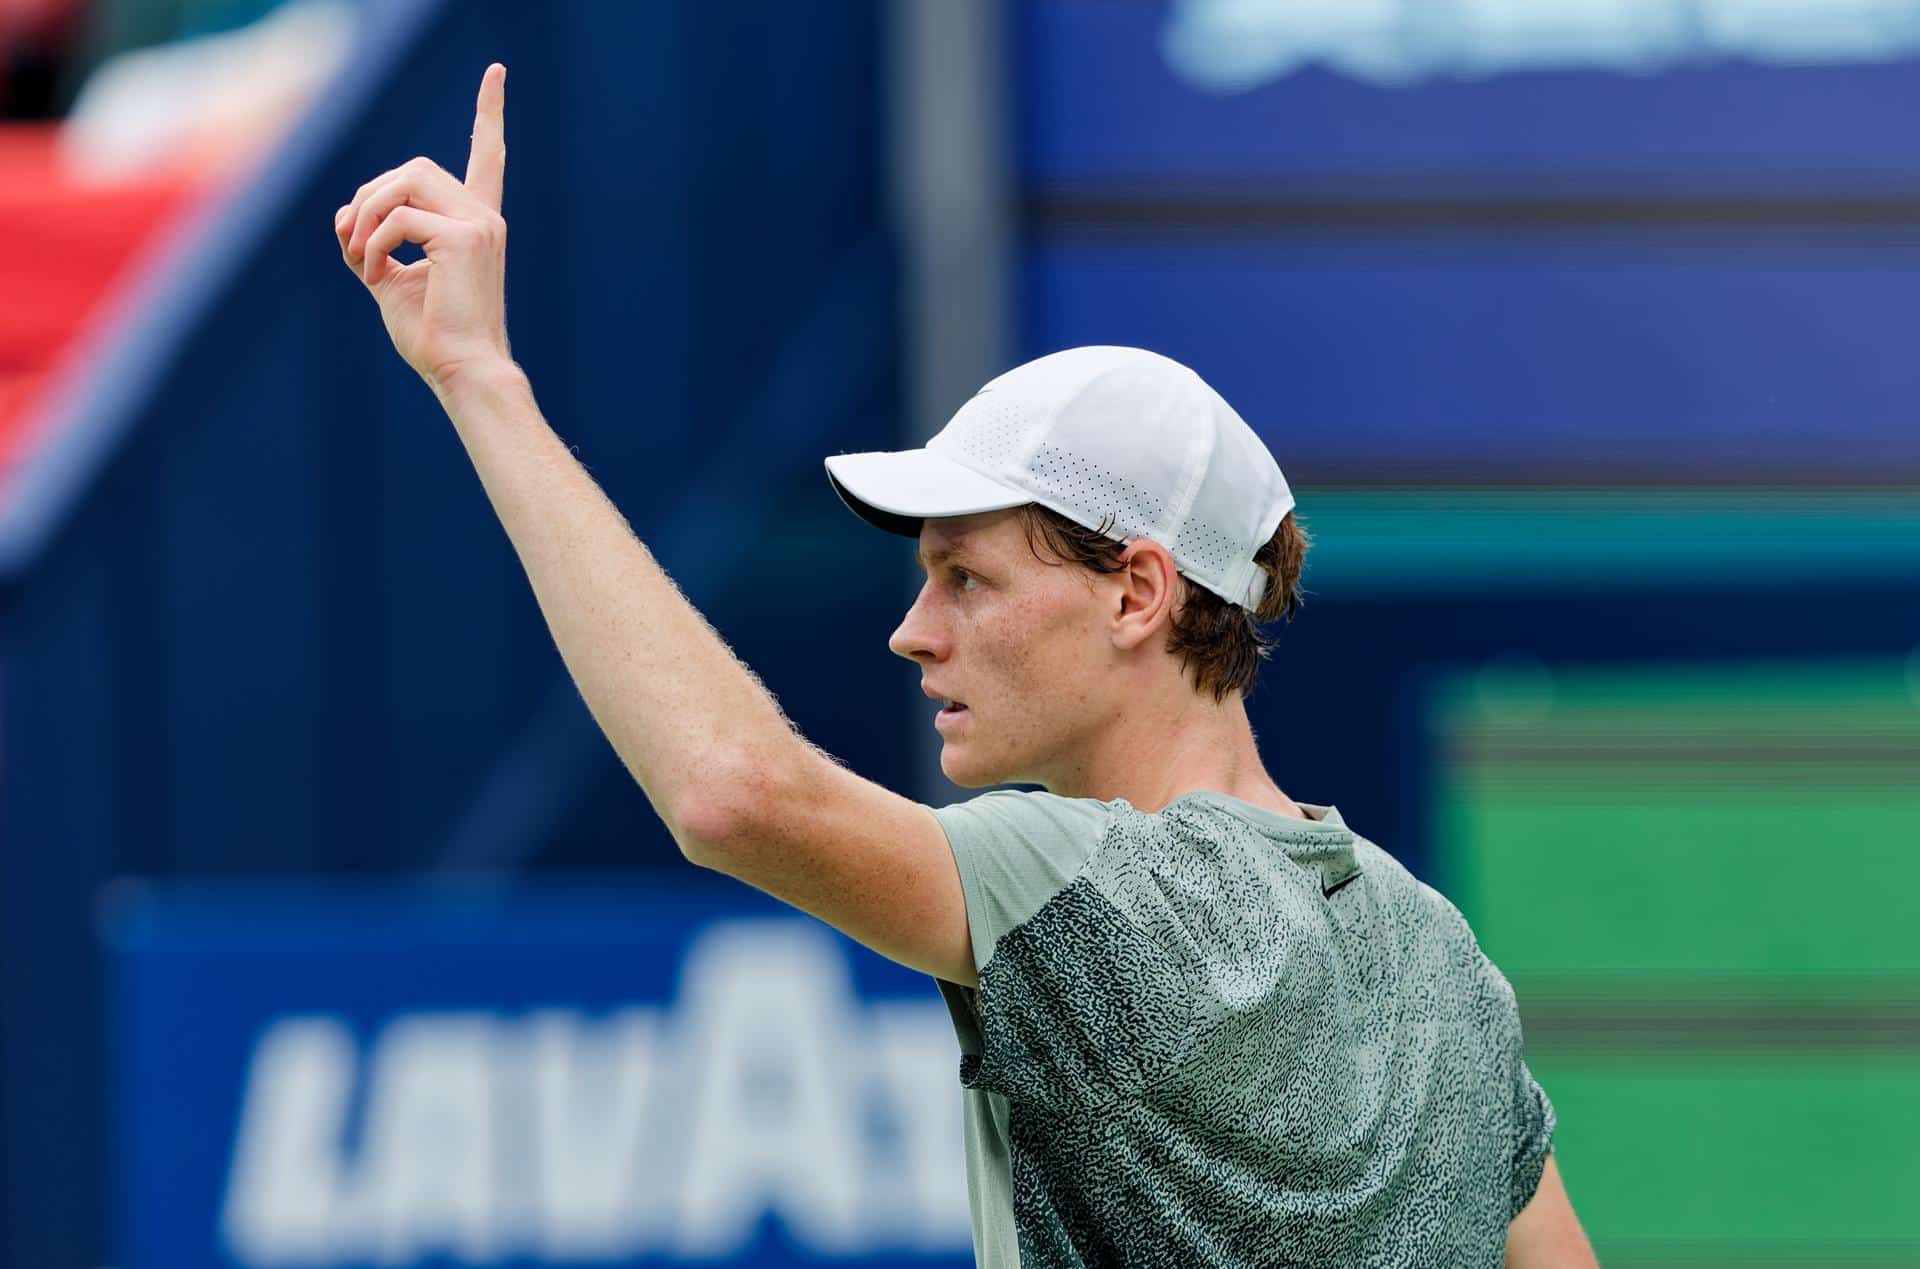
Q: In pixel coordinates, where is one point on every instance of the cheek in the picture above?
(1041, 652)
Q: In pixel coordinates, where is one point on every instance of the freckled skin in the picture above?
(1018, 641)
(1066, 675)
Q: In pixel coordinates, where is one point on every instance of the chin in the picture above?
(965, 774)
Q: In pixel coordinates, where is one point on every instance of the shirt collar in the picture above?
(1322, 842)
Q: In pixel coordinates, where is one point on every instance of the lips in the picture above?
(950, 709)
(951, 716)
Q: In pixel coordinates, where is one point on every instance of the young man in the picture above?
(1201, 1023)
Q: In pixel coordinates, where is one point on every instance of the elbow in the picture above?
(729, 811)
(704, 825)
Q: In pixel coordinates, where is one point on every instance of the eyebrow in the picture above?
(939, 555)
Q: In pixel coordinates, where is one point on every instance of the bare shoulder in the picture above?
(867, 861)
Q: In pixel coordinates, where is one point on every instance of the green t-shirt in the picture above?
(1219, 1035)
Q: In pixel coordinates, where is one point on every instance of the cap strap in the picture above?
(1256, 584)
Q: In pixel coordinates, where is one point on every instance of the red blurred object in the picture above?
(24, 19)
(63, 248)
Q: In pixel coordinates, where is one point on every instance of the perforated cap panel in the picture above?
(1134, 444)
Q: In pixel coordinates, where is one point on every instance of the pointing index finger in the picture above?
(487, 160)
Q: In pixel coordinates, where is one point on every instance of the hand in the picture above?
(447, 312)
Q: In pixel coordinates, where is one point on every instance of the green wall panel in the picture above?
(1704, 884)
(1710, 1146)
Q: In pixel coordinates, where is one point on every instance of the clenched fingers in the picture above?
(352, 205)
(434, 232)
(419, 183)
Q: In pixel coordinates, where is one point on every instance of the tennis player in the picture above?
(1201, 1023)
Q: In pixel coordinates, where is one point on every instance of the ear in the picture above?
(1145, 589)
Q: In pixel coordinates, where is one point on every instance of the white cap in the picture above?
(1119, 440)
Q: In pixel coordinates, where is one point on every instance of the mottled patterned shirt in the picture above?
(1218, 1035)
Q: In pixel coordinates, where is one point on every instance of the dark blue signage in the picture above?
(1525, 360)
(1494, 241)
(637, 1077)
(1795, 94)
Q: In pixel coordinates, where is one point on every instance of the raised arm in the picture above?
(681, 712)
(736, 785)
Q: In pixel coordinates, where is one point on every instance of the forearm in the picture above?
(688, 719)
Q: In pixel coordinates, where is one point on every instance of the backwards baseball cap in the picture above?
(1118, 440)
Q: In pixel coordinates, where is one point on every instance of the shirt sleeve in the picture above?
(1075, 1003)
(1016, 851)
(1534, 1114)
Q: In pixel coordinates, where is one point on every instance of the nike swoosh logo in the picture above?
(1343, 881)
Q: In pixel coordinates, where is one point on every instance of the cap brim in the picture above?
(896, 490)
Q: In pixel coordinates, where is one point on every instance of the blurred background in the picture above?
(332, 933)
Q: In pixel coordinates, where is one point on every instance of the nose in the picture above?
(919, 636)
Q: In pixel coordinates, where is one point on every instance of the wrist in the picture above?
(474, 382)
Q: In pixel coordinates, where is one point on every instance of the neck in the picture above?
(1184, 743)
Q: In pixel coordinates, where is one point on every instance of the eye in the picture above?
(961, 577)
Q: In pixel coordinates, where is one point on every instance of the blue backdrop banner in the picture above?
(1680, 95)
(1492, 242)
(685, 1073)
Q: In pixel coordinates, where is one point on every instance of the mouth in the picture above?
(950, 712)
